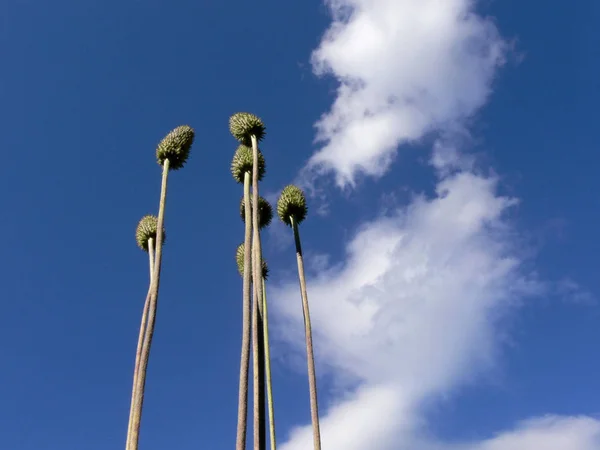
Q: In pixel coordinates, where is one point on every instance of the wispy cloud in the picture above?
(412, 312)
(413, 309)
(405, 68)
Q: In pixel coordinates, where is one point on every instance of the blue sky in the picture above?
(449, 150)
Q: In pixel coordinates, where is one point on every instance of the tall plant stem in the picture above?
(151, 257)
(154, 285)
(256, 372)
(259, 404)
(310, 357)
(138, 352)
(240, 443)
(268, 368)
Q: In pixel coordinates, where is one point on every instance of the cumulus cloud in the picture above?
(405, 68)
(548, 433)
(413, 309)
(410, 314)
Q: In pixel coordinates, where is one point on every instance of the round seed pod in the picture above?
(265, 212)
(239, 259)
(243, 125)
(176, 147)
(292, 202)
(145, 230)
(243, 161)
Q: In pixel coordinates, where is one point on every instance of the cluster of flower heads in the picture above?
(176, 146)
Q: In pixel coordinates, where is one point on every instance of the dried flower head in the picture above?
(176, 147)
(292, 202)
(239, 259)
(243, 125)
(146, 230)
(265, 212)
(242, 162)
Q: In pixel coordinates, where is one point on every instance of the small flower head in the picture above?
(243, 162)
(146, 230)
(175, 147)
(291, 203)
(243, 125)
(265, 212)
(239, 259)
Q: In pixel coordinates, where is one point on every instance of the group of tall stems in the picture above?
(248, 169)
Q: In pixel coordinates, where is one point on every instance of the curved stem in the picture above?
(240, 443)
(312, 377)
(259, 406)
(155, 284)
(268, 368)
(138, 351)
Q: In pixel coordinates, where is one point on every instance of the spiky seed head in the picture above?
(239, 259)
(292, 202)
(176, 147)
(146, 229)
(242, 162)
(265, 212)
(243, 125)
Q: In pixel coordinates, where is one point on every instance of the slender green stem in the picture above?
(268, 368)
(154, 286)
(246, 314)
(259, 404)
(310, 357)
(138, 352)
(151, 257)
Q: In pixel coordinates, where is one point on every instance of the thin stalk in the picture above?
(259, 405)
(268, 368)
(255, 367)
(310, 357)
(240, 443)
(138, 352)
(155, 284)
(151, 257)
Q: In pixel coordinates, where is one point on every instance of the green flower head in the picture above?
(239, 259)
(243, 162)
(146, 230)
(291, 203)
(175, 147)
(265, 212)
(243, 125)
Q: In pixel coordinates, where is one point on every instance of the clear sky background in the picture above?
(450, 151)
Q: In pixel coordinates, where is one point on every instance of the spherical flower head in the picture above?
(291, 203)
(243, 161)
(265, 212)
(239, 259)
(146, 230)
(243, 125)
(175, 147)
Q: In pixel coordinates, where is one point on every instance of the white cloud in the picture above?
(411, 314)
(412, 311)
(414, 308)
(405, 68)
(548, 433)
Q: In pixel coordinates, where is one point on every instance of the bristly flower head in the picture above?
(176, 147)
(239, 259)
(242, 162)
(292, 202)
(265, 212)
(243, 125)
(146, 229)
